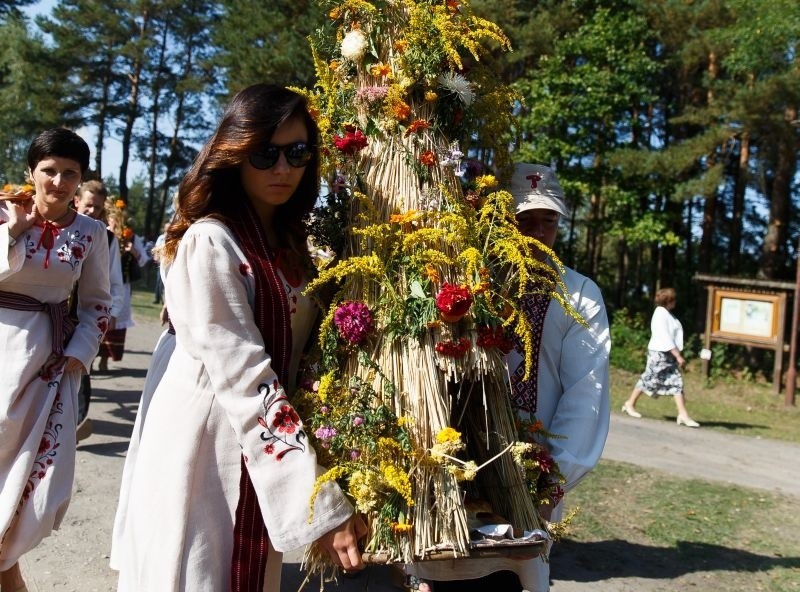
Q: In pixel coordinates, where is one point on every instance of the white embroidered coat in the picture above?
(218, 399)
(37, 417)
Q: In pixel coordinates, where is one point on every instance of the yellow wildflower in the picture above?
(326, 385)
(398, 480)
(364, 487)
(330, 475)
(402, 527)
(486, 182)
(448, 434)
(468, 472)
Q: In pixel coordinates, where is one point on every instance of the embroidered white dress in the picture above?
(218, 399)
(572, 401)
(37, 416)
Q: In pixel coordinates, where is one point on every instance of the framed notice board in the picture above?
(746, 316)
(746, 312)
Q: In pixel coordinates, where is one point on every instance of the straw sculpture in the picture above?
(408, 402)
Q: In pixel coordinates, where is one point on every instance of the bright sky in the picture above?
(112, 152)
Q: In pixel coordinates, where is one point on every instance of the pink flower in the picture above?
(358, 420)
(326, 433)
(354, 321)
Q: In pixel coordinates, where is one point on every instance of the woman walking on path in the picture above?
(224, 473)
(45, 247)
(662, 374)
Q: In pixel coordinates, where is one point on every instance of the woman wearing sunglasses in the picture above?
(224, 473)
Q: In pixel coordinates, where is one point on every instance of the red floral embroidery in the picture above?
(286, 420)
(73, 251)
(284, 433)
(48, 446)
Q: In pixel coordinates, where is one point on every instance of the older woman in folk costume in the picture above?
(568, 391)
(45, 247)
(224, 474)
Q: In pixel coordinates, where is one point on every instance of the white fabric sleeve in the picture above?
(662, 336)
(115, 278)
(209, 306)
(11, 258)
(94, 300)
(583, 411)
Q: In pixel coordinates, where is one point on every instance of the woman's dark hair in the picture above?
(213, 186)
(664, 296)
(59, 142)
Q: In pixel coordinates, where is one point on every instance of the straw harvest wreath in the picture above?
(409, 404)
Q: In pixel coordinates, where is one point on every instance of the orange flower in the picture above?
(430, 96)
(401, 110)
(380, 70)
(120, 204)
(428, 158)
(417, 125)
(127, 234)
(453, 5)
(400, 45)
(405, 217)
(432, 273)
(537, 426)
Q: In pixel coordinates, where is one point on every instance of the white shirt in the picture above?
(667, 331)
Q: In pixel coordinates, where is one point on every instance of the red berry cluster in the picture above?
(454, 349)
(489, 337)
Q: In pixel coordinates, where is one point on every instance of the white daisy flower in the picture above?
(459, 86)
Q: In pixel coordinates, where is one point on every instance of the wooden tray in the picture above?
(481, 549)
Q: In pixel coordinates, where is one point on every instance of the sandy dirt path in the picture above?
(75, 559)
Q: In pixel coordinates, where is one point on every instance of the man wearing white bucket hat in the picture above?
(569, 393)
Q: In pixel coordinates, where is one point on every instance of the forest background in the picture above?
(673, 124)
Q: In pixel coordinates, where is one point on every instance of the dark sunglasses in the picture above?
(297, 154)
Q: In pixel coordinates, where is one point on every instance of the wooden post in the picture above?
(709, 326)
(777, 372)
(791, 373)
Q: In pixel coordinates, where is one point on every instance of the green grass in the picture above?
(142, 302)
(728, 405)
(656, 526)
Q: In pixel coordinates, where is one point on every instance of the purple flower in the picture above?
(324, 410)
(326, 433)
(355, 454)
(358, 420)
(354, 321)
